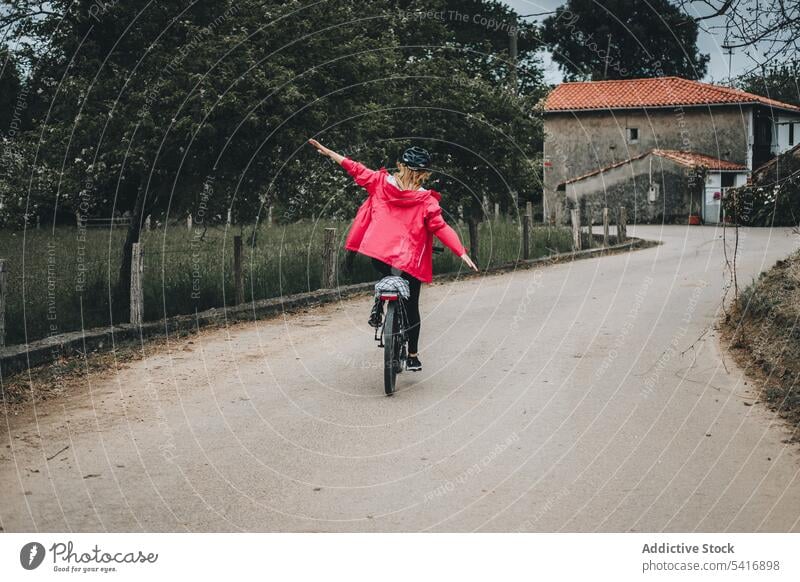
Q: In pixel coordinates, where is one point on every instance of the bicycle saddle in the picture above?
(393, 284)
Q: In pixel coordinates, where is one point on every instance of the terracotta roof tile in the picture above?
(693, 159)
(689, 159)
(653, 92)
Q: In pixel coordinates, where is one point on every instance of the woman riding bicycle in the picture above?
(396, 224)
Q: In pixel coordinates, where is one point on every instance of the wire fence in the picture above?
(68, 279)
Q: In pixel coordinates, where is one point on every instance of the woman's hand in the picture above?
(320, 148)
(468, 261)
(326, 152)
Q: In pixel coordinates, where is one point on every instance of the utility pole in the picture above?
(512, 75)
(512, 86)
(729, 51)
(512, 53)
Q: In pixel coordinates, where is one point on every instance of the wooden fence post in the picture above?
(589, 221)
(526, 236)
(237, 270)
(622, 225)
(137, 296)
(147, 223)
(576, 229)
(269, 217)
(496, 210)
(329, 259)
(529, 209)
(3, 295)
(605, 227)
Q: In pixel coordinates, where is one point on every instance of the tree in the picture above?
(10, 85)
(208, 105)
(155, 108)
(619, 39)
(778, 82)
(453, 96)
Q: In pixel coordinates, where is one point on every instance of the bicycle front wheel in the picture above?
(391, 345)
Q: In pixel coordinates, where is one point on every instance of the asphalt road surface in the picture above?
(586, 396)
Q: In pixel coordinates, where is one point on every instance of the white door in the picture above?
(712, 198)
(712, 205)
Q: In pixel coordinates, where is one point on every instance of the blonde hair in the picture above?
(416, 177)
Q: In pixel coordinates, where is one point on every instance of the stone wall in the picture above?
(628, 185)
(581, 142)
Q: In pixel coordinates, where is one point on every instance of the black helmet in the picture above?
(416, 158)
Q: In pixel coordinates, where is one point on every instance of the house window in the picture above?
(791, 134)
(633, 135)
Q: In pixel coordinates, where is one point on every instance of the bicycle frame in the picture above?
(392, 333)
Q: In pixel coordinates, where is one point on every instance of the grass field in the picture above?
(63, 280)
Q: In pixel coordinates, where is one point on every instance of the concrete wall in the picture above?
(629, 185)
(580, 142)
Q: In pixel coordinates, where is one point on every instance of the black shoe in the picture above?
(376, 316)
(413, 364)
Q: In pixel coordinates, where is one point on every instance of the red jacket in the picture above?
(397, 226)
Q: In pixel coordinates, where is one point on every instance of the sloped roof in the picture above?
(688, 159)
(693, 159)
(651, 92)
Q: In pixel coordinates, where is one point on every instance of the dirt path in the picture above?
(576, 397)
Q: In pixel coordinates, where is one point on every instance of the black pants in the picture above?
(412, 305)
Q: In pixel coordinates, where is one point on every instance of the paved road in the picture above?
(576, 397)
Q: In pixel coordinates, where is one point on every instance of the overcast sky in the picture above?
(708, 44)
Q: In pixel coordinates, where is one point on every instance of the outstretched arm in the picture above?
(360, 173)
(449, 237)
(327, 152)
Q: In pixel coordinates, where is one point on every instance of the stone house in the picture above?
(663, 147)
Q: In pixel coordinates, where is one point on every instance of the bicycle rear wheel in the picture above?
(391, 348)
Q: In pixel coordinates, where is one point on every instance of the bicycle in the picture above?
(392, 333)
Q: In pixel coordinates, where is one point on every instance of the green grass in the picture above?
(185, 272)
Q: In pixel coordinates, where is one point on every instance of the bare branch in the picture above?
(723, 8)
